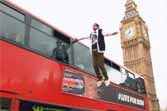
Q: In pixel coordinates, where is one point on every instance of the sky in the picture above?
(75, 17)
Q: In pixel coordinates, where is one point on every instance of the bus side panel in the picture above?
(28, 74)
(147, 103)
(0, 64)
(37, 78)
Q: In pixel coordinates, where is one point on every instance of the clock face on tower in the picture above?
(129, 32)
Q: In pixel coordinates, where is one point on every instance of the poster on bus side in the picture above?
(82, 85)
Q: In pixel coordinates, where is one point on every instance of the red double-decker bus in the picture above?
(41, 70)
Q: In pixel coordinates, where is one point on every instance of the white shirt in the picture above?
(94, 37)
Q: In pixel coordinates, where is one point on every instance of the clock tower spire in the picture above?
(136, 49)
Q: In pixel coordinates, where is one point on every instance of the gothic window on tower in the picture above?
(145, 33)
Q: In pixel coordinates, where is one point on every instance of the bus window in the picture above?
(11, 12)
(83, 58)
(34, 106)
(115, 75)
(130, 83)
(133, 82)
(50, 46)
(5, 104)
(140, 85)
(41, 42)
(61, 52)
(123, 77)
(44, 28)
(11, 28)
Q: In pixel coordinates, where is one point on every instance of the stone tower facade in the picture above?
(136, 49)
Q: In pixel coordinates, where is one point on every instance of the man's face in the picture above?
(59, 43)
(95, 27)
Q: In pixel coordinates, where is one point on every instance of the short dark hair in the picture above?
(96, 24)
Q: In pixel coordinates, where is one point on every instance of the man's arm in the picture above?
(76, 40)
(110, 34)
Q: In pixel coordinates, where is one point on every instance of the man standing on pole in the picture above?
(98, 48)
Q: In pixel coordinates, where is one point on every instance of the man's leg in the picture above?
(101, 65)
(96, 67)
(103, 69)
(98, 72)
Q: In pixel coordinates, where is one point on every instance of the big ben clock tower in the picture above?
(136, 49)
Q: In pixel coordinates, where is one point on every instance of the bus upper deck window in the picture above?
(17, 37)
(140, 85)
(60, 52)
(83, 58)
(11, 28)
(11, 11)
(42, 27)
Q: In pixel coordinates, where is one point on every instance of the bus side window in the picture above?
(12, 24)
(60, 52)
(11, 11)
(17, 37)
(130, 81)
(140, 85)
(49, 42)
(5, 104)
(83, 58)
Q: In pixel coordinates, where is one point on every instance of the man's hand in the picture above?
(75, 40)
(111, 34)
(115, 33)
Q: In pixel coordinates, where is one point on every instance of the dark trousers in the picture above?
(98, 63)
